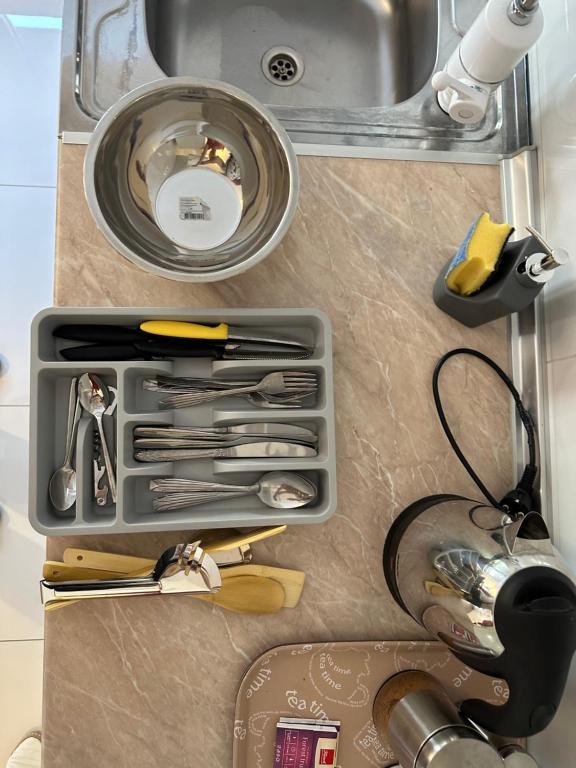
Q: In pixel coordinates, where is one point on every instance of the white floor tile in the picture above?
(27, 217)
(29, 85)
(22, 550)
(20, 692)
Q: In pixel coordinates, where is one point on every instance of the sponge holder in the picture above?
(510, 290)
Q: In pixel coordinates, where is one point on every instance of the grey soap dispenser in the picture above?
(525, 267)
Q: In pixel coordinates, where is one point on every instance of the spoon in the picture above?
(279, 490)
(95, 399)
(62, 488)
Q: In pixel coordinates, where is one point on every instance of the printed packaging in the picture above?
(304, 743)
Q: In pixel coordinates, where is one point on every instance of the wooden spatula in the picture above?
(248, 594)
(292, 582)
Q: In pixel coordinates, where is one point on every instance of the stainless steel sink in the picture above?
(326, 54)
(336, 72)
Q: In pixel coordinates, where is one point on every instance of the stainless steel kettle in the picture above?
(494, 589)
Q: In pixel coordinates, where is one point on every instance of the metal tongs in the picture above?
(184, 568)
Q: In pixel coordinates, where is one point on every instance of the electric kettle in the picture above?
(492, 587)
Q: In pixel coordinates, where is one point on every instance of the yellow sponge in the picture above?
(478, 256)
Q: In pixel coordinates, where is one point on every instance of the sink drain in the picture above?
(282, 65)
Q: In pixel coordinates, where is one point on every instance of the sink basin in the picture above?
(300, 53)
(336, 73)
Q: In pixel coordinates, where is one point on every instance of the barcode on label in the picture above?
(194, 209)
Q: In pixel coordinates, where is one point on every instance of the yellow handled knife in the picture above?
(221, 332)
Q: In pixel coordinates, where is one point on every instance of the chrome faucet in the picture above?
(520, 11)
(499, 38)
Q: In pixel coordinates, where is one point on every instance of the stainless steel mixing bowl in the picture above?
(191, 179)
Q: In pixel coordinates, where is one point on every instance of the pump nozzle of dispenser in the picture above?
(540, 266)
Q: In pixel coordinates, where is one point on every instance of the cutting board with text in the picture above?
(338, 681)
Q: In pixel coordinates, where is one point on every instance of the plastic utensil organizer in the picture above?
(50, 383)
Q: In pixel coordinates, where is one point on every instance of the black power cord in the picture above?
(520, 499)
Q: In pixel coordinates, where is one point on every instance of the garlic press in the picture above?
(184, 568)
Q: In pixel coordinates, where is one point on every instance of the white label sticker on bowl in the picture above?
(198, 208)
(194, 209)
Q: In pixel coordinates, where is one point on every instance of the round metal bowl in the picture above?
(191, 179)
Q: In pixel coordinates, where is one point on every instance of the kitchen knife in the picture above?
(162, 347)
(212, 441)
(254, 428)
(212, 339)
(90, 352)
(143, 347)
(98, 333)
(221, 332)
(268, 449)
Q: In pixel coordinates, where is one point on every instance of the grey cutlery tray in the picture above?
(50, 381)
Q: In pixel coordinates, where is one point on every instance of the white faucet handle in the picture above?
(464, 103)
(442, 80)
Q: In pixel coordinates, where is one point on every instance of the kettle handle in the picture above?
(536, 621)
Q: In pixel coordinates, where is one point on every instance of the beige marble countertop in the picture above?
(149, 682)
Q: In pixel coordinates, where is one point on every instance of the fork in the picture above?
(269, 401)
(185, 385)
(276, 384)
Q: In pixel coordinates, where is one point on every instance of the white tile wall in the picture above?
(555, 747)
(553, 89)
(27, 217)
(29, 72)
(562, 393)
